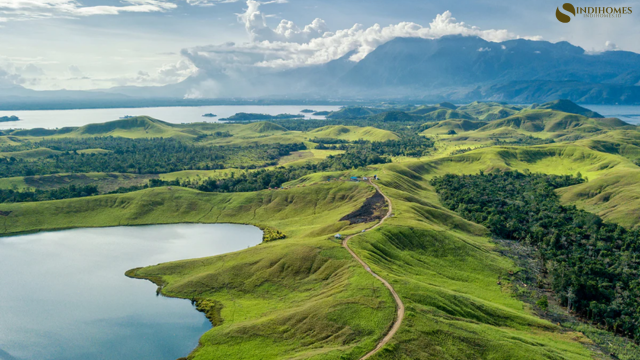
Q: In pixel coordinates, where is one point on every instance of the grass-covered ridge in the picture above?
(443, 267)
(582, 256)
(267, 292)
(303, 296)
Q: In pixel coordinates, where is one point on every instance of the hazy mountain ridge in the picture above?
(450, 68)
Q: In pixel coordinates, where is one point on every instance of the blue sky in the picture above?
(84, 44)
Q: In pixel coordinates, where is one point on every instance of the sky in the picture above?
(95, 44)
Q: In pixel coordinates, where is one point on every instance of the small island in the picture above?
(9, 118)
(209, 115)
(321, 113)
(307, 111)
(241, 116)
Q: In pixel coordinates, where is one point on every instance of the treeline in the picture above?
(141, 156)
(401, 128)
(592, 266)
(412, 146)
(71, 191)
(264, 179)
(273, 178)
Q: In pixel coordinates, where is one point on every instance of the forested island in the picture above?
(254, 117)
(9, 118)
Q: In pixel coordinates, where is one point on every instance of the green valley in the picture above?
(465, 266)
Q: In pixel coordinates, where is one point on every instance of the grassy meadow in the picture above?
(304, 297)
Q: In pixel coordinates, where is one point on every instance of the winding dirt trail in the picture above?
(399, 304)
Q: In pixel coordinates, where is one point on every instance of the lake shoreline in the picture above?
(81, 270)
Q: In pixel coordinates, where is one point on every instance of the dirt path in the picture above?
(399, 304)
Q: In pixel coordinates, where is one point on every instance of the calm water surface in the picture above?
(63, 295)
(628, 113)
(51, 119)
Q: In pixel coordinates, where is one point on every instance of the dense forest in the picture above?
(592, 266)
(67, 192)
(353, 158)
(140, 156)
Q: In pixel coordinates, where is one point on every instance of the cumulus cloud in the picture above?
(39, 9)
(171, 73)
(609, 46)
(10, 78)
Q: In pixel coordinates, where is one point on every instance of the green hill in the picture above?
(446, 114)
(458, 126)
(29, 154)
(488, 111)
(352, 112)
(264, 127)
(352, 133)
(392, 116)
(305, 297)
(568, 107)
(140, 126)
(553, 121)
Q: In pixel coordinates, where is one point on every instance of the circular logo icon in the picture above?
(562, 17)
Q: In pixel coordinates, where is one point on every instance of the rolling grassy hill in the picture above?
(300, 296)
(352, 133)
(554, 121)
(304, 297)
(488, 111)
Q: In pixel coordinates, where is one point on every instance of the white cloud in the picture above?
(75, 71)
(609, 46)
(29, 70)
(172, 73)
(39, 9)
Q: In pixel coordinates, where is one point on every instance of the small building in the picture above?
(375, 177)
(338, 236)
(364, 178)
(354, 178)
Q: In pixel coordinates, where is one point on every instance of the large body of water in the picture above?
(52, 119)
(64, 295)
(628, 113)
(188, 114)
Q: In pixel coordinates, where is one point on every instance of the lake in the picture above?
(628, 113)
(65, 296)
(30, 119)
(187, 114)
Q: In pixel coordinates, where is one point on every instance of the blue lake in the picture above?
(65, 296)
(52, 119)
(628, 113)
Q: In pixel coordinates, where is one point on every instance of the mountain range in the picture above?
(450, 68)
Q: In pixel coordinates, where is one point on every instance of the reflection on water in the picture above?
(64, 294)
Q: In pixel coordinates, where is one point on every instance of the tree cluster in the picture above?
(141, 156)
(71, 191)
(594, 267)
